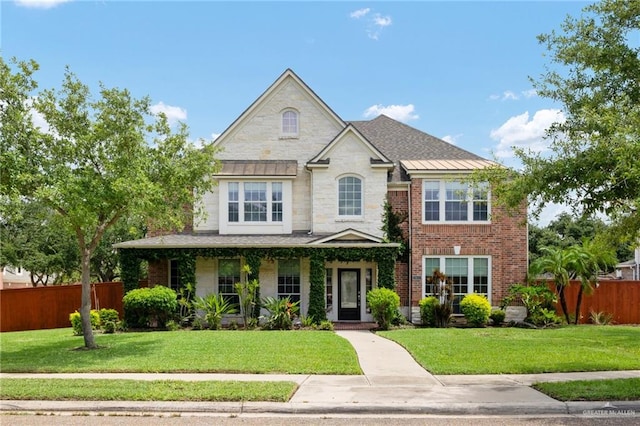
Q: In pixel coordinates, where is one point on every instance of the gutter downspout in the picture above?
(310, 198)
(409, 248)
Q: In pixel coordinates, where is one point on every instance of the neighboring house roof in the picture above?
(357, 239)
(399, 141)
(259, 168)
(627, 264)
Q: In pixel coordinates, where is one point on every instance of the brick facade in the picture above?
(504, 239)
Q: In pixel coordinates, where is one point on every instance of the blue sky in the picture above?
(456, 70)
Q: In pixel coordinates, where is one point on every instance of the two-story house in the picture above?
(300, 196)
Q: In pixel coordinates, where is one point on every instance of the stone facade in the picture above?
(326, 149)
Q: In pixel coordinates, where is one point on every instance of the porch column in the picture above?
(316, 287)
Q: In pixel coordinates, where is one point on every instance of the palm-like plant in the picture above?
(579, 262)
(557, 262)
(214, 306)
(586, 261)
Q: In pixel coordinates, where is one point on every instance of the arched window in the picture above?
(350, 196)
(290, 122)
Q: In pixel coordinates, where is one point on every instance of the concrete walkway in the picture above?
(393, 383)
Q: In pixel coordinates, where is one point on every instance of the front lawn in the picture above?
(592, 390)
(522, 351)
(289, 352)
(142, 390)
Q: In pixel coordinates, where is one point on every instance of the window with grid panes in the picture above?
(289, 279)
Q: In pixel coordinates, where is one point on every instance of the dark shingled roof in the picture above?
(397, 141)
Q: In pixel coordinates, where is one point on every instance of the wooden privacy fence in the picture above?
(49, 307)
(618, 298)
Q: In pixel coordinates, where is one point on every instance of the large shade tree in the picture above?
(34, 238)
(102, 158)
(594, 73)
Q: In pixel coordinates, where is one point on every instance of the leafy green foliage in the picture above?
(476, 309)
(567, 230)
(76, 321)
(246, 291)
(384, 304)
(281, 313)
(34, 237)
(316, 310)
(391, 226)
(600, 318)
(593, 165)
(102, 158)
(537, 299)
(497, 316)
(580, 262)
(214, 307)
(442, 289)
(149, 307)
(428, 310)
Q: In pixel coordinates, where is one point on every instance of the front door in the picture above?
(349, 294)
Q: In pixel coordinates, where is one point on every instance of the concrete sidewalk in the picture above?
(393, 383)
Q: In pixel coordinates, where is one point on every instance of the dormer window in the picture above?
(290, 123)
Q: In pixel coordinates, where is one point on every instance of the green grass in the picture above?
(592, 390)
(141, 390)
(522, 351)
(289, 352)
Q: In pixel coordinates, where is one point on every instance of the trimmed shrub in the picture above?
(149, 307)
(325, 325)
(384, 304)
(497, 316)
(428, 311)
(476, 309)
(76, 321)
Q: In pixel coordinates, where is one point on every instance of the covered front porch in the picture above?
(328, 274)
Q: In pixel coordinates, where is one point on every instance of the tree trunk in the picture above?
(578, 305)
(85, 307)
(563, 302)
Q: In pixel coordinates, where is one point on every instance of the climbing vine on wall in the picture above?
(384, 256)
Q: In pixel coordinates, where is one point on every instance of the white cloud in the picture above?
(357, 14)
(521, 132)
(40, 4)
(375, 23)
(401, 113)
(215, 136)
(507, 95)
(173, 113)
(529, 93)
(452, 139)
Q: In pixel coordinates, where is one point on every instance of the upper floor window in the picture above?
(350, 196)
(453, 201)
(289, 122)
(254, 202)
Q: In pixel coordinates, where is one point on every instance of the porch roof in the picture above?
(248, 241)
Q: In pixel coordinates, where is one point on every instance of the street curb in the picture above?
(591, 408)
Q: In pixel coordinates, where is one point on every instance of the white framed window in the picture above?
(468, 274)
(350, 196)
(259, 202)
(448, 201)
(289, 279)
(290, 123)
(229, 274)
